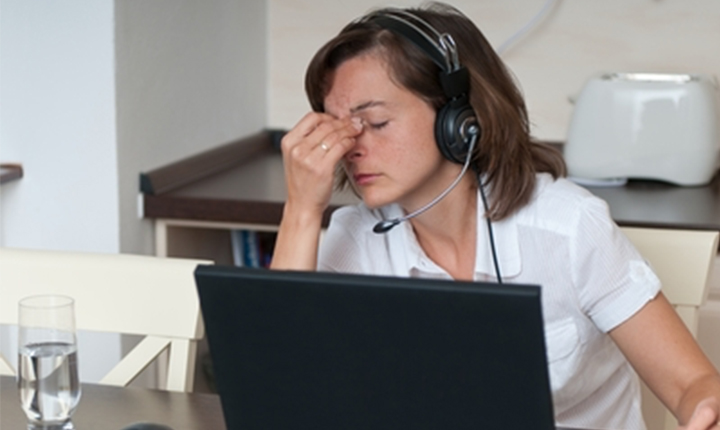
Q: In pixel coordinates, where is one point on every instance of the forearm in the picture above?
(684, 377)
(311, 152)
(298, 239)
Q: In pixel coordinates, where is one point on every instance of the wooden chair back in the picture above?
(149, 296)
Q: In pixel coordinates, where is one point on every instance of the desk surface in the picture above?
(112, 408)
(248, 186)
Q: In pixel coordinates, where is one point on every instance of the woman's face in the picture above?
(395, 158)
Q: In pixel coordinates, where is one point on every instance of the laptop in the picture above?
(309, 350)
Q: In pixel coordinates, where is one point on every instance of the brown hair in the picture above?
(505, 153)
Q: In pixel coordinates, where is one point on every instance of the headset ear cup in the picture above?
(452, 138)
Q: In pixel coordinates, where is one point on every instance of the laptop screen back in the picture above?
(308, 350)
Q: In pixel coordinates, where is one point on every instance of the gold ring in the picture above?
(324, 146)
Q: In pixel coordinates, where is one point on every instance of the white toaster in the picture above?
(646, 126)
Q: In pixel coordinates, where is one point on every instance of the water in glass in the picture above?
(48, 382)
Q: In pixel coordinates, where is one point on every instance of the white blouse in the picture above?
(592, 280)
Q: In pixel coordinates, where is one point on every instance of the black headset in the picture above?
(456, 123)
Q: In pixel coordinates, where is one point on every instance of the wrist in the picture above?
(298, 237)
(302, 216)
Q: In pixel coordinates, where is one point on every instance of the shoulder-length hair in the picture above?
(506, 156)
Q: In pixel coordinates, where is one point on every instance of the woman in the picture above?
(376, 95)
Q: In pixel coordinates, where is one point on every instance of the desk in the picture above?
(111, 408)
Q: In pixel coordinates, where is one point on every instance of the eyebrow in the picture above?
(366, 105)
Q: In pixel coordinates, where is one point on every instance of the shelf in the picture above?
(10, 172)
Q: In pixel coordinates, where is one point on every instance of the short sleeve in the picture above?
(613, 279)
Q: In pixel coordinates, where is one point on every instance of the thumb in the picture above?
(705, 415)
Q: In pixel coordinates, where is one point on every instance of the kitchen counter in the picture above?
(243, 182)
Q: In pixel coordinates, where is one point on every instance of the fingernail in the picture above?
(357, 123)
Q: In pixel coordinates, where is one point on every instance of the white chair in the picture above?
(148, 296)
(682, 259)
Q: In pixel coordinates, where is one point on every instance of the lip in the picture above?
(364, 178)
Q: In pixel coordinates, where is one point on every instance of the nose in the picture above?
(359, 149)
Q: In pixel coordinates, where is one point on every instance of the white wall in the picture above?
(190, 76)
(57, 118)
(579, 38)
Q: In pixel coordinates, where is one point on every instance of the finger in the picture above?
(340, 136)
(338, 150)
(705, 416)
(313, 149)
(311, 121)
(302, 129)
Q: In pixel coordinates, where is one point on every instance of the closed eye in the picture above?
(378, 125)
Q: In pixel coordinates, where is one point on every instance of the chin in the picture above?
(375, 201)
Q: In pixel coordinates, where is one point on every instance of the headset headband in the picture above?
(442, 50)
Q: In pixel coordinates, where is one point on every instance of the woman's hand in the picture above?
(705, 417)
(311, 150)
(684, 379)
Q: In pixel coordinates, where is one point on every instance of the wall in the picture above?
(190, 76)
(577, 39)
(58, 119)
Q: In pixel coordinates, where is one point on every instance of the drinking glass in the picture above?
(47, 364)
